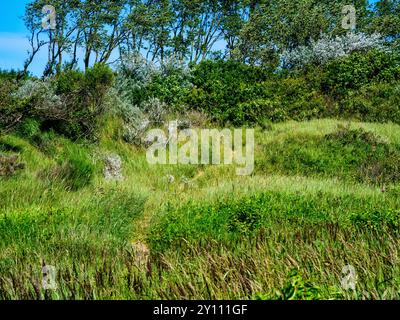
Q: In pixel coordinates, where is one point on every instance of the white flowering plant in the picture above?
(328, 48)
(40, 95)
(140, 80)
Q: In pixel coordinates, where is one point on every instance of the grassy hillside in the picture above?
(324, 194)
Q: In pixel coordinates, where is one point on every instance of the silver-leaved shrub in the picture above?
(330, 48)
(41, 97)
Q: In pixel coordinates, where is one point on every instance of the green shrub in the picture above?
(97, 81)
(244, 216)
(372, 103)
(348, 154)
(361, 86)
(376, 220)
(11, 109)
(284, 99)
(12, 75)
(83, 100)
(69, 81)
(360, 69)
(240, 94)
(139, 80)
(296, 288)
(68, 104)
(221, 86)
(171, 88)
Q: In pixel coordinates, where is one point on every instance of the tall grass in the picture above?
(285, 232)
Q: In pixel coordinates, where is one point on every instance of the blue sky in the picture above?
(13, 41)
(13, 38)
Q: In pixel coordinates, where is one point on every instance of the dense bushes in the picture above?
(358, 70)
(140, 81)
(145, 93)
(83, 99)
(12, 75)
(240, 94)
(221, 86)
(362, 86)
(10, 107)
(373, 103)
(283, 99)
(354, 155)
(68, 103)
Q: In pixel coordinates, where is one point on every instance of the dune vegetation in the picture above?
(316, 82)
(284, 232)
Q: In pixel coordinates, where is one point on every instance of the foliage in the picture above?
(12, 75)
(140, 80)
(348, 87)
(296, 288)
(360, 69)
(326, 49)
(283, 99)
(155, 110)
(220, 87)
(39, 97)
(349, 154)
(284, 25)
(376, 102)
(255, 32)
(10, 108)
(69, 103)
(386, 20)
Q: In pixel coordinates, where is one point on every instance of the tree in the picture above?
(100, 29)
(58, 39)
(276, 26)
(386, 20)
(256, 32)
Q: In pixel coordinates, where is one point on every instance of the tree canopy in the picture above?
(251, 31)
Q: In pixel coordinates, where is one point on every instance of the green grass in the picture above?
(348, 154)
(314, 205)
